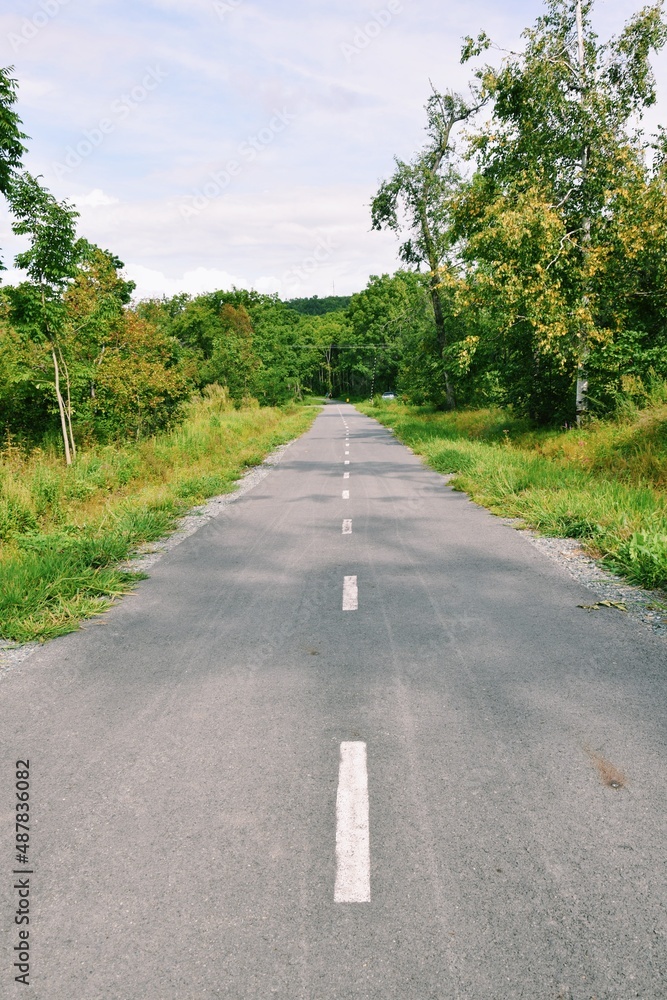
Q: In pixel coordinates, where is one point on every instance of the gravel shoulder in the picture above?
(646, 606)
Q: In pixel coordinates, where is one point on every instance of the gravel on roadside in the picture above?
(646, 606)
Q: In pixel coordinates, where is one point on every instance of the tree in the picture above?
(51, 262)
(389, 321)
(417, 200)
(11, 136)
(141, 383)
(563, 116)
(95, 301)
(514, 303)
(316, 306)
(233, 361)
(632, 302)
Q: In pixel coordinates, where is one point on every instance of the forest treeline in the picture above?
(533, 244)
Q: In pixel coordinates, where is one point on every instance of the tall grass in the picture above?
(605, 484)
(64, 531)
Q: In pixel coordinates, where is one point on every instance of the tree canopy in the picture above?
(532, 243)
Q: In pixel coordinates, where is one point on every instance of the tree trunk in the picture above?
(61, 407)
(68, 408)
(583, 344)
(56, 370)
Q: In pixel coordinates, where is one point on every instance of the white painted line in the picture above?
(347, 461)
(346, 494)
(350, 594)
(347, 453)
(353, 850)
(347, 527)
(346, 475)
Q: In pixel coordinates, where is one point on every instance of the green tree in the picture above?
(233, 361)
(316, 306)
(390, 321)
(561, 138)
(514, 303)
(141, 379)
(50, 262)
(416, 201)
(632, 301)
(282, 340)
(11, 136)
(95, 302)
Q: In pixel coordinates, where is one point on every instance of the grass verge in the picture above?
(64, 531)
(605, 485)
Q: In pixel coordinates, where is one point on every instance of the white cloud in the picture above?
(94, 199)
(34, 90)
(12, 276)
(224, 80)
(154, 284)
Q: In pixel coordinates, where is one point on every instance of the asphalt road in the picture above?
(185, 755)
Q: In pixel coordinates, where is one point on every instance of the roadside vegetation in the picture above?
(605, 484)
(63, 530)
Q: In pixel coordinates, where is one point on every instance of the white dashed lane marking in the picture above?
(353, 850)
(347, 527)
(347, 461)
(346, 475)
(346, 494)
(350, 594)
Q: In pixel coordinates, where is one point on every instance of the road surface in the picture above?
(353, 739)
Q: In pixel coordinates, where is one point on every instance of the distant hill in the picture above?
(316, 306)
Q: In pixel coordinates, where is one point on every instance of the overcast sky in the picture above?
(217, 142)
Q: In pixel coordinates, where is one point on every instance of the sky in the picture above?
(211, 143)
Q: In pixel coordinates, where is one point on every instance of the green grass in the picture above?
(64, 531)
(605, 485)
